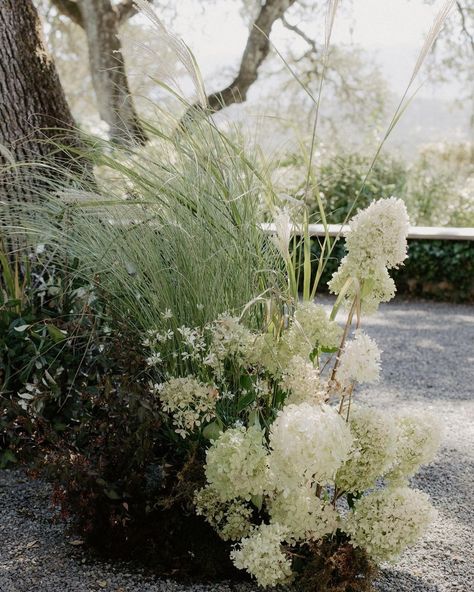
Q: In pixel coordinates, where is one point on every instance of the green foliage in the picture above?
(438, 269)
(51, 345)
(437, 187)
(340, 180)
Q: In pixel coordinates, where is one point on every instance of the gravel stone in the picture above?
(428, 365)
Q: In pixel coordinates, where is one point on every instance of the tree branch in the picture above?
(300, 33)
(464, 25)
(126, 9)
(70, 9)
(256, 50)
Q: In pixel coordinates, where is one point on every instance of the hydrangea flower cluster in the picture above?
(375, 243)
(385, 522)
(375, 436)
(302, 381)
(236, 463)
(231, 519)
(359, 361)
(419, 437)
(262, 555)
(308, 444)
(190, 402)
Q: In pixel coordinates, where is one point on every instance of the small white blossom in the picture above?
(262, 556)
(190, 402)
(359, 361)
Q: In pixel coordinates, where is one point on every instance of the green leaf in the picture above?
(212, 431)
(257, 501)
(112, 494)
(245, 401)
(56, 334)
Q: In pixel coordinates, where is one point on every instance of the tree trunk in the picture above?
(36, 124)
(100, 21)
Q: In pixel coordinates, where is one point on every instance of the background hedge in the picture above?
(436, 269)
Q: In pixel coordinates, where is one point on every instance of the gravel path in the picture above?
(428, 365)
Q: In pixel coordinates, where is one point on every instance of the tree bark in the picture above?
(36, 125)
(256, 50)
(101, 24)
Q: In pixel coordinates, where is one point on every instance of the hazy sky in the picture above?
(392, 30)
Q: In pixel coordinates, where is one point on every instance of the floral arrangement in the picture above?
(292, 460)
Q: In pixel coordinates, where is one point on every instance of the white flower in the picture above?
(310, 328)
(359, 360)
(191, 403)
(167, 314)
(301, 380)
(308, 444)
(230, 338)
(154, 359)
(419, 437)
(384, 523)
(377, 285)
(378, 234)
(236, 463)
(282, 237)
(376, 242)
(304, 516)
(261, 555)
(375, 434)
(230, 519)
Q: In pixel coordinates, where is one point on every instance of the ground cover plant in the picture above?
(228, 437)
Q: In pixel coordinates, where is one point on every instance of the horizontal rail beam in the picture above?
(420, 232)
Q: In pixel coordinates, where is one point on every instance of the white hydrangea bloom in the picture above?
(376, 241)
(262, 556)
(377, 235)
(303, 515)
(375, 434)
(190, 402)
(310, 328)
(264, 353)
(377, 285)
(302, 381)
(308, 444)
(236, 463)
(419, 437)
(385, 522)
(359, 360)
(231, 519)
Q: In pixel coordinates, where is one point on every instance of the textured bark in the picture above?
(33, 108)
(256, 50)
(101, 24)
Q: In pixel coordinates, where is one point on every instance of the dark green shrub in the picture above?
(52, 348)
(437, 269)
(127, 489)
(341, 178)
